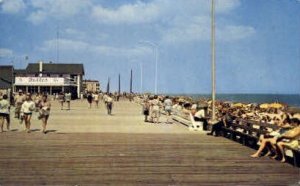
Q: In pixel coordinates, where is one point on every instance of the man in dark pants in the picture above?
(226, 119)
(109, 103)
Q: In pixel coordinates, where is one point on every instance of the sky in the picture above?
(257, 42)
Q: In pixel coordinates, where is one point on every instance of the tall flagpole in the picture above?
(213, 61)
(141, 65)
(57, 44)
(108, 85)
(131, 81)
(119, 84)
(156, 64)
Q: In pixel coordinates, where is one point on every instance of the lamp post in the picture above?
(155, 48)
(213, 60)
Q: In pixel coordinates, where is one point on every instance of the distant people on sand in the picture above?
(68, 97)
(89, 99)
(44, 112)
(4, 112)
(26, 110)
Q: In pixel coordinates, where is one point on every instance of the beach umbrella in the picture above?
(276, 105)
(264, 106)
(297, 115)
(238, 105)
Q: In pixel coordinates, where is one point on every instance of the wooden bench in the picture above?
(243, 131)
(247, 133)
(181, 120)
(295, 155)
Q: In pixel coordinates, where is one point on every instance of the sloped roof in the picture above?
(20, 71)
(6, 76)
(57, 68)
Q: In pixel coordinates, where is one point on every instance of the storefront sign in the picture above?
(42, 81)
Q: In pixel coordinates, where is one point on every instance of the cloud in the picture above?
(196, 28)
(75, 46)
(141, 12)
(59, 9)
(199, 29)
(225, 6)
(12, 6)
(232, 32)
(131, 13)
(73, 33)
(178, 21)
(5, 52)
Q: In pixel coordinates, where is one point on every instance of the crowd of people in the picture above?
(275, 141)
(227, 113)
(25, 105)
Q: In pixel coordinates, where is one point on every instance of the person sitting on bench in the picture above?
(200, 115)
(289, 139)
(269, 141)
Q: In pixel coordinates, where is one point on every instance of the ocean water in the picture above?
(292, 100)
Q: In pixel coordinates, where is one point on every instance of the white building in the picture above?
(51, 78)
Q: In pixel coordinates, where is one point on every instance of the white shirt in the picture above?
(168, 104)
(105, 97)
(28, 107)
(200, 114)
(155, 104)
(4, 106)
(109, 99)
(96, 97)
(68, 96)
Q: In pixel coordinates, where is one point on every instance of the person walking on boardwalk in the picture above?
(155, 109)
(96, 99)
(19, 99)
(61, 99)
(146, 109)
(4, 112)
(68, 97)
(37, 101)
(168, 108)
(109, 104)
(90, 99)
(27, 108)
(44, 112)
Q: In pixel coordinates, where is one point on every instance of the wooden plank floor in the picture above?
(134, 159)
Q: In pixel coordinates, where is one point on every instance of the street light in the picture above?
(156, 60)
(213, 60)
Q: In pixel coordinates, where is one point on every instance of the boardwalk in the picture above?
(86, 147)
